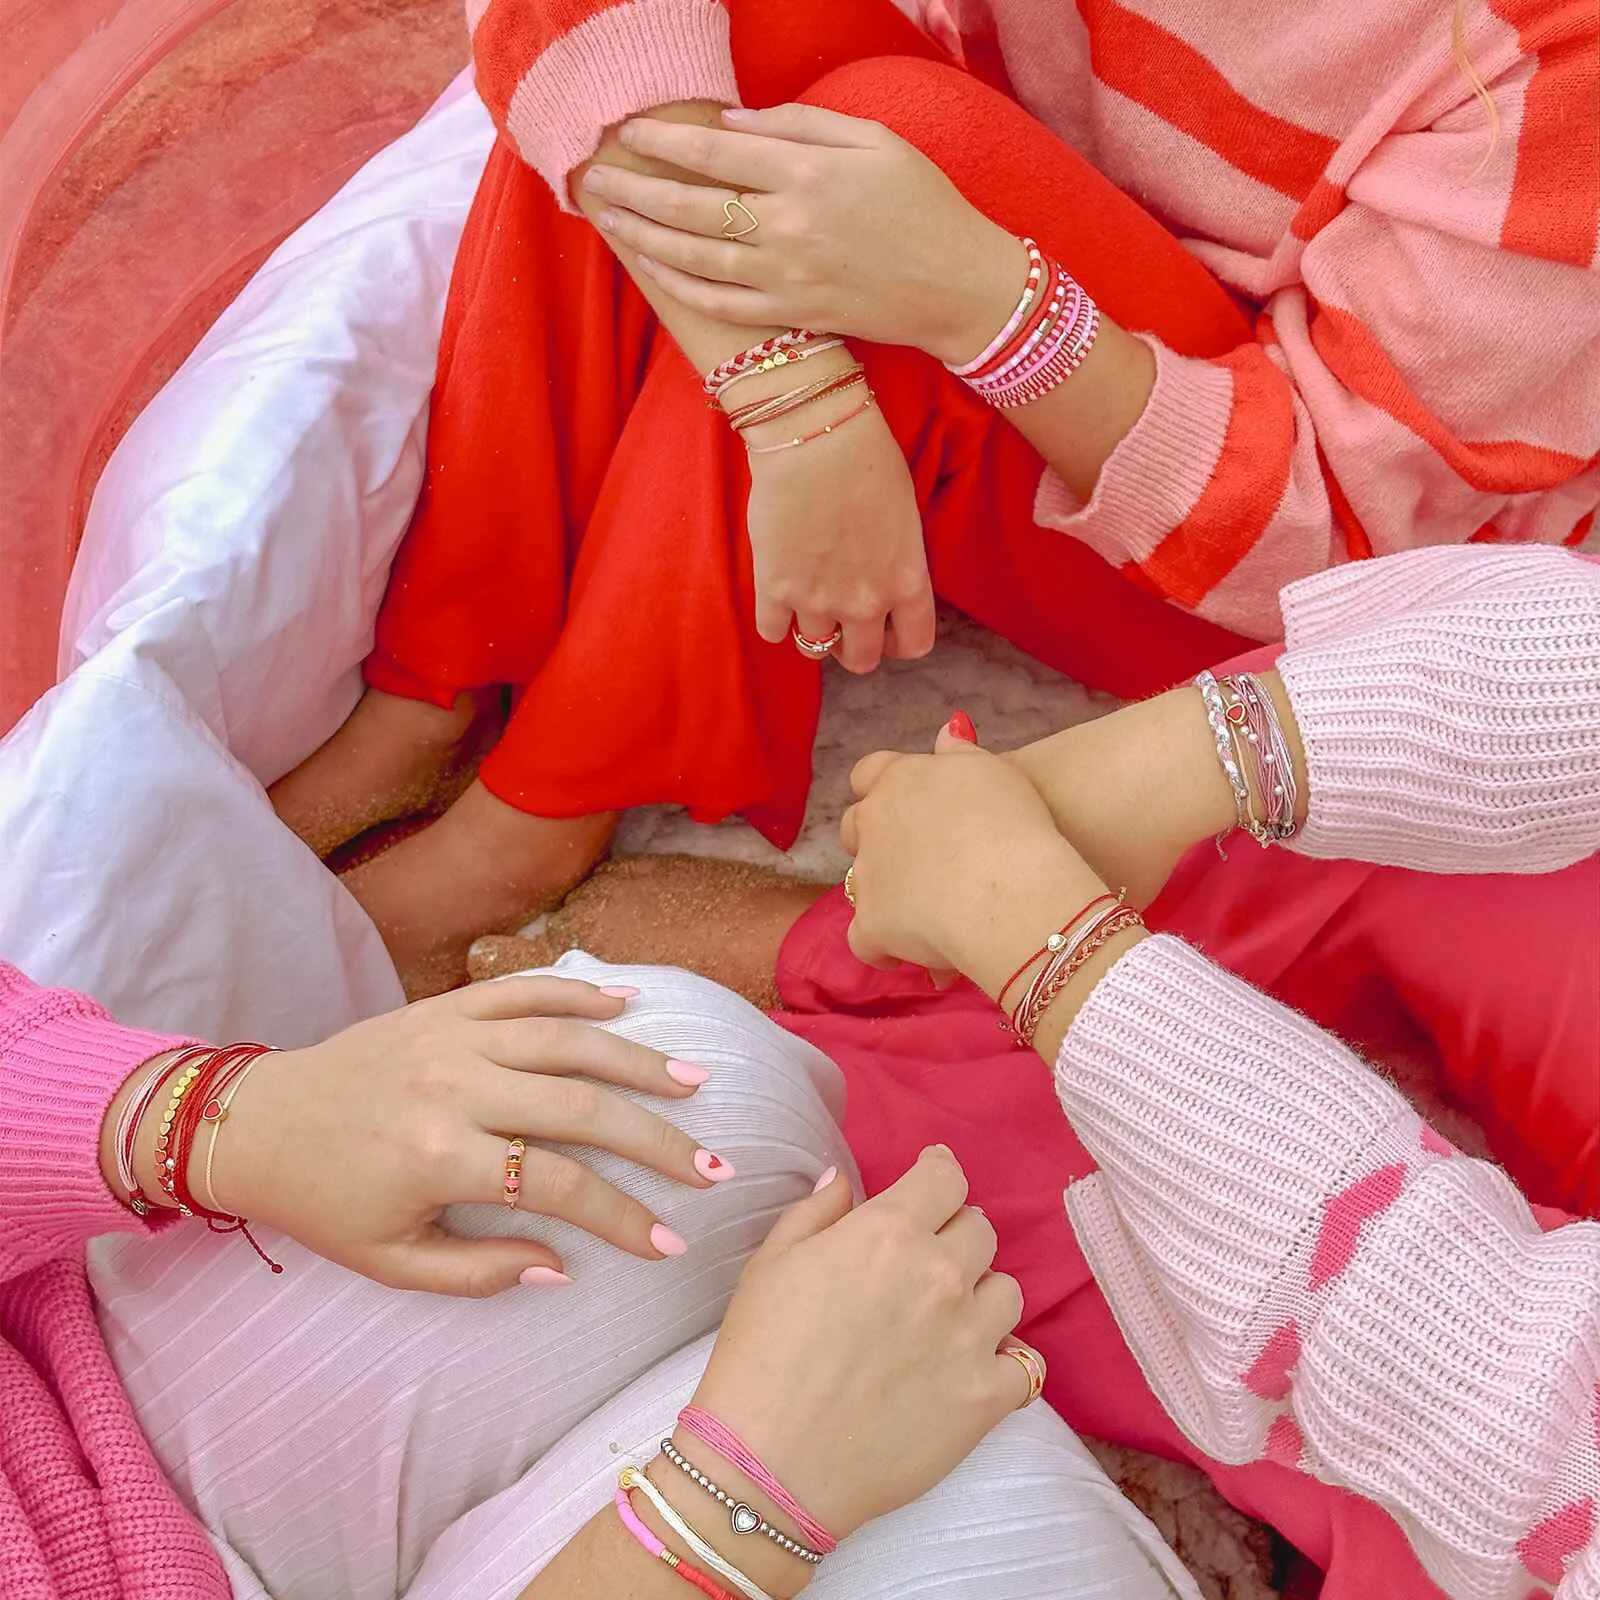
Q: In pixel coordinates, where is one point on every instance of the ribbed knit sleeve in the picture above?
(1449, 701)
(1308, 1274)
(62, 1060)
(556, 74)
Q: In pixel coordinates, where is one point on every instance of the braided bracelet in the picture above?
(1222, 735)
(742, 1518)
(1065, 966)
(632, 1478)
(758, 358)
(776, 362)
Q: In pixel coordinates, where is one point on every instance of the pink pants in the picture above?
(1490, 981)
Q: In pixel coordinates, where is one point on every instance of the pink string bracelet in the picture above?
(737, 1453)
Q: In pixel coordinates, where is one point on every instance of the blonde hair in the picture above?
(1469, 70)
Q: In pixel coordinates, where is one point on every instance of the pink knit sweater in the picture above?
(1303, 1268)
(1422, 370)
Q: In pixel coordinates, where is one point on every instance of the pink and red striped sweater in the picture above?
(1425, 366)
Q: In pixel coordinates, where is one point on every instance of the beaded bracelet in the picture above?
(1222, 736)
(1258, 738)
(632, 1478)
(743, 1519)
(1029, 290)
(630, 1521)
(133, 1114)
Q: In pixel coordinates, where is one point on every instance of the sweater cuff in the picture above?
(59, 1078)
(627, 59)
(1445, 699)
(1156, 475)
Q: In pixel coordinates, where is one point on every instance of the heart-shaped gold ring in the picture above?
(731, 228)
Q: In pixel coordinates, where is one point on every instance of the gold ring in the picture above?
(511, 1189)
(1032, 1363)
(816, 649)
(850, 883)
(731, 227)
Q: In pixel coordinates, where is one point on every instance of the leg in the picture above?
(340, 1428)
(1028, 1516)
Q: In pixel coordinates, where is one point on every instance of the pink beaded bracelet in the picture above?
(1006, 334)
(630, 1521)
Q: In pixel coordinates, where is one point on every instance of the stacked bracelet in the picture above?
(742, 419)
(742, 1518)
(632, 1479)
(630, 1521)
(767, 356)
(1045, 340)
(1077, 944)
(1254, 755)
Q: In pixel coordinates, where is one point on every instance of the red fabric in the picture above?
(1387, 959)
(581, 532)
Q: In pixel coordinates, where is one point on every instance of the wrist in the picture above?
(142, 1165)
(985, 282)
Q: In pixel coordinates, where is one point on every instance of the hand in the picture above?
(859, 232)
(355, 1146)
(837, 540)
(859, 1357)
(951, 849)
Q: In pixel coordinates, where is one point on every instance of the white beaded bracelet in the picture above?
(633, 1478)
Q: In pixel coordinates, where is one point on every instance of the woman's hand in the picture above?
(836, 538)
(859, 233)
(951, 850)
(355, 1146)
(859, 1358)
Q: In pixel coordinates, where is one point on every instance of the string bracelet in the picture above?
(742, 1518)
(630, 1521)
(1056, 942)
(763, 357)
(780, 405)
(632, 1478)
(816, 433)
(701, 1425)
(778, 361)
(1066, 963)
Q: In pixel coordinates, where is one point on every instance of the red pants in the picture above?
(1492, 980)
(581, 535)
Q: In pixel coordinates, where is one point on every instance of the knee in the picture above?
(918, 99)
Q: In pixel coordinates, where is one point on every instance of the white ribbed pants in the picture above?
(340, 1441)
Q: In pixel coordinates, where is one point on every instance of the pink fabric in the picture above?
(85, 1513)
(1268, 1214)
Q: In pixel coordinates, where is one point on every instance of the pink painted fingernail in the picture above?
(827, 1177)
(713, 1167)
(544, 1278)
(608, 221)
(620, 991)
(686, 1073)
(666, 1241)
(738, 114)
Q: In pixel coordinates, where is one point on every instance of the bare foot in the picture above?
(483, 867)
(392, 757)
(724, 919)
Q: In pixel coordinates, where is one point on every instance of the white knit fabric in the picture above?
(1449, 699)
(340, 1441)
(1256, 1178)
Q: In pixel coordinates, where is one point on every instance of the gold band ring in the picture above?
(850, 883)
(511, 1189)
(1032, 1363)
(738, 218)
(816, 649)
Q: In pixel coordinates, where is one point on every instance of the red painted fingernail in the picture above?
(544, 1278)
(686, 1073)
(960, 727)
(713, 1167)
(666, 1241)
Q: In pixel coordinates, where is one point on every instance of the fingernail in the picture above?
(620, 991)
(827, 1177)
(608, 221)
(544, 1278)
(593, 178)
(713, 1167)
(960, 727)
(666, 1241)
(738, 114)
(626, 133)
(686, 1073)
